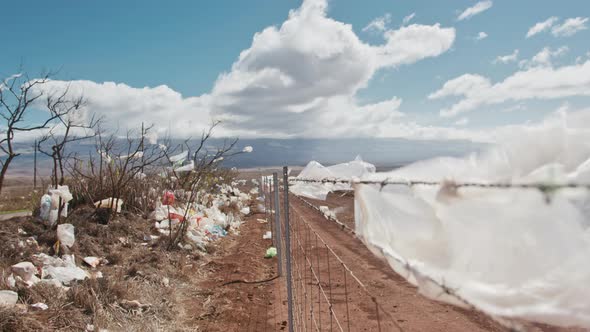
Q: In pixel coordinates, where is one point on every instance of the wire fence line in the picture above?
(543, 187)
(445, 289)
(321, 287)
(326, 293)
(327, 217)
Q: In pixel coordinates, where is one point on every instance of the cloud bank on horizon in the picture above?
(306, 74)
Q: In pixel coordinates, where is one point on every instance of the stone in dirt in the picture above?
(134, 305)
(8, 298)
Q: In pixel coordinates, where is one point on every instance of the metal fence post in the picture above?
(277, 233)
(288, 246)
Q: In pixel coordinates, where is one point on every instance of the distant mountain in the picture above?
(383, 152)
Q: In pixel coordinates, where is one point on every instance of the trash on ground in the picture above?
(65, 234)
(8, 298)
(271, 252)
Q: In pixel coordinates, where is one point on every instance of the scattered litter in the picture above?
(92, 261)
(39, 306)
(24, 270)
(168, 198)
(62, 269)
(262, 221)
(150, 237)
(271, 252)
(8, 298)
(45, 207)
(267, 235)
(65, 234)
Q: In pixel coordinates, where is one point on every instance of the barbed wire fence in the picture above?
(322, 292)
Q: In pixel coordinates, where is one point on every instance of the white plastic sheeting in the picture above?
(316, 171)
(512, 253)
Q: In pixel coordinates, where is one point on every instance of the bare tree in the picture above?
(116, 170)
(18, 93)
(72, 126)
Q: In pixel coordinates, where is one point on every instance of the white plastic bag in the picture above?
(65, 234)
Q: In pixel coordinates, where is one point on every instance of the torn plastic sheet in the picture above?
(512, 253)
(316, 171)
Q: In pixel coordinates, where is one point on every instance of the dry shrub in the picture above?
(92, 295)
(12, 319)
(46, 293)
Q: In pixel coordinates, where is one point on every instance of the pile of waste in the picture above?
(206, 218)
(61, 271)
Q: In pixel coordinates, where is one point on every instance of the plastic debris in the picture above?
(65, 234)
(45, 207)
(179, 158)
(168, 198)
(63, 193)
(8, 298)
(92, 261)
(39, 306)
(62, 269)
(24, 270)
(271, 252)
(267, 235)
(186, 168)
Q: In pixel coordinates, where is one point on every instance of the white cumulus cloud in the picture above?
(481, 35)
(478, 8)
(567, 28)
(544, 57)
(570, 27)
(408, 18)
(507, 58)
(292, 80)
(379, 24)
(540, 83)
(542, 26)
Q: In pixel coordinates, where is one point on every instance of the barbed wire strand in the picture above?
(544, 187)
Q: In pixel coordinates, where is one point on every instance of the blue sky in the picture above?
(187, 45)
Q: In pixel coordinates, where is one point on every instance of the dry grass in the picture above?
(12, 319)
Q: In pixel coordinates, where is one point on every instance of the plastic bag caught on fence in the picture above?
(511, 253)
(316, 171)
